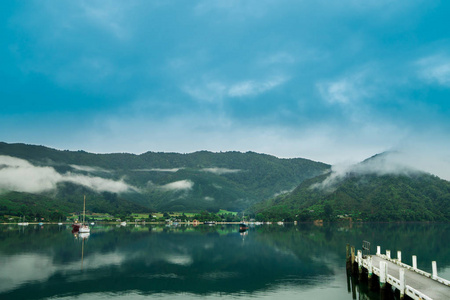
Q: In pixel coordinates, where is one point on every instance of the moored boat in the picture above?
(83, 227)
(23, 223)
(243, 226)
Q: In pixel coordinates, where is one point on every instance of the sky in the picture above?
(331, 81)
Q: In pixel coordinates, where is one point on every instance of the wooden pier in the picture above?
(408, 280)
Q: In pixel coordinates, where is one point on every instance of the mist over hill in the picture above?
(380, 188)
(150, 181)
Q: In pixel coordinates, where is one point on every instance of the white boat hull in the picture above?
(84, 229)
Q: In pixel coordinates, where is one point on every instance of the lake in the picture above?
(205, 262)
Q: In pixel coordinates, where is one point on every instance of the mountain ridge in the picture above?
(159, 181)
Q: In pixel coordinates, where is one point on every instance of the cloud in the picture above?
(389, 163)
(208, 198)
(220, 171)
(21, 176)
(158, 170)
(252, 88)
(178, 185)
(215, 90)
(435, 69)
(345, 90)
(89, 169)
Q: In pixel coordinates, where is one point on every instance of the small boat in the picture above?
(23, 223)
(209, 223)
(243, 226)
(40, 224)
(123, 223)
(84, 228)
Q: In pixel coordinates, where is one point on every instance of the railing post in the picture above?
(383, 274)
(360, 264)
(369, 272)
(399, 256)
(414, 262)
(378, 250)
(402, 283)
(388, 254)
(434, 266)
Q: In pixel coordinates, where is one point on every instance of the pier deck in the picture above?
(425, 285)
(408, 280)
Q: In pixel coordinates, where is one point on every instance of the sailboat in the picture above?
(84, 228)
(243, 226)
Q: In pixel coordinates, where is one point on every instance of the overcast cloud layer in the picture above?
(331, 81)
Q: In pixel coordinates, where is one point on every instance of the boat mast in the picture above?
(84, 208)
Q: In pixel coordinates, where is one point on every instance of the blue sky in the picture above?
(333, 81)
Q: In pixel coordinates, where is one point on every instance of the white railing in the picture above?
(415, 294)
(421, 272)
(395, 282)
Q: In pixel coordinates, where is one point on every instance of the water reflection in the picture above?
(39, 263)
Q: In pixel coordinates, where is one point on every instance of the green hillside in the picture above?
(159, 181)
(369, 197)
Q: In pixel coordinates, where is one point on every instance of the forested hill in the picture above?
(157, 181)
(368, 197)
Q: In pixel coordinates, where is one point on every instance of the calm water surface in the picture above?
(203, 262)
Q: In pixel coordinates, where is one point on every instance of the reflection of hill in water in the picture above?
(200, 260)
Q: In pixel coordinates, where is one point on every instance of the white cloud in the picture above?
(435, 69)
(178, 185)
(89, 169)
(19, 175)
(174, 170)
(215, 90)
(345, 90)
(389, 163)
(252, 88)
(220, 171)
(110, 16)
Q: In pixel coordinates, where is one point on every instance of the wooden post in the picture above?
(434, 267)
(378, 250)
(414, 261)
(388, 254)
(399, 256)
(383, 274)
(402, 283)
(348, 258)
(352, 251)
